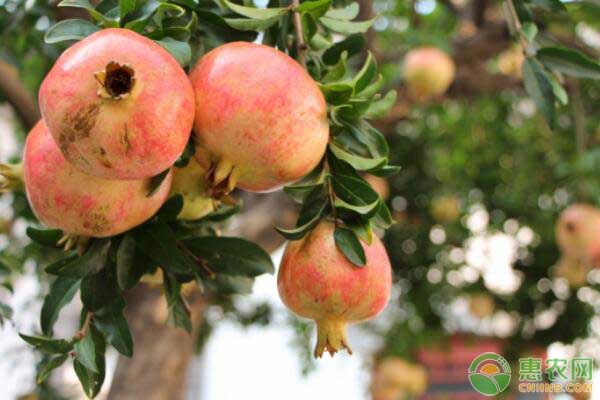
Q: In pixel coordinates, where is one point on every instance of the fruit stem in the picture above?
(300, 44)
(331, 337)
(11, 177)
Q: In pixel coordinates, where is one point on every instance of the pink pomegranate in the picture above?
(578, 234)
(79, 204)
(428, 72)
(260, 115)
(316, 281)
(118, 105)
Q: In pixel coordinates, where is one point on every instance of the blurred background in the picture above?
(476, 263)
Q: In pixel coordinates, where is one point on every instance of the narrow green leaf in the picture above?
(549, 5)
(251, 24)
(69, 29)
(48, 345)
(179, 313)
(559, 91)
(337, 93)
(256, 13)
(346, 27)
(125, 262)
(99, 290)
(126, 7)
(383, 218)
(352, 45)
(347, 242)
(49, 366)
(96, 16)
(359, 163)
(317, 8)
(115, 328)
(231, 256)
(92, 261)
(338, 71)
(381, 107)
(366, 75)
(45, 237)
(530, 31)
(91, 382)
(347, 13)
(61, 292)
(569, 62)
(538, 86)
(85, 352)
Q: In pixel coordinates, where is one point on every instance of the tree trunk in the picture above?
(162, 354)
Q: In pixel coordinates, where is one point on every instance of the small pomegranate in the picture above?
(578, 234)
(259, 114)
(395, 378)
(79, 204)
(445, 209)
(118, 105)
(316, 281)
(428, 72)
(575, 272)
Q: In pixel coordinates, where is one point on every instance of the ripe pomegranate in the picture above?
(578, 234)
(428, 72)
(259, 114)
(192, 183)
(79, 204)
(395, 378)
(379, 185)
(316, 281)
(118, 105)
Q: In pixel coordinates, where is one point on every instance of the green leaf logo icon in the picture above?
(489, 374)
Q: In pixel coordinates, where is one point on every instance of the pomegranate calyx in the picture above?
(116, 81)
(331, 337)
(11, 177)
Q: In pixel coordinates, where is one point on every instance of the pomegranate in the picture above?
(259, 114)
(481, 305)
(316, 281)
(428, 72)
(191, 182)
(575, 272)
(445, 209)
(118, 105)
(395, 378)
(79, 204)
(578, 234)
(379, 185)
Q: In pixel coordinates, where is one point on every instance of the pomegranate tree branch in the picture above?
(85, 327)
(515, 23)
(18, 95)
(300, 44)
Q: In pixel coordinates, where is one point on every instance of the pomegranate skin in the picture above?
(135, 135)
(316, 281)
(578, 234)
(260, 114)
(428, 72)
(64, 198)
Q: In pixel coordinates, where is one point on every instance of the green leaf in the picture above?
(362, 228)
(61, 292)
(49, 366)
(359, 163)
(158, 243)
(366, 75)
(91, 382)
(381, 107)
(228, 285)
(126, 262)
(309, 26)
(99, 290)
(549, 5)
(538, 86)
(231, 256)
(316, 8)
(256, 13)
(347, 242)
(96, 16)
(45, 237)
(559, 91)
(338, 71)
(314, 207)
(92, 261)
(179, 313)
(69, 29)
(251, 24)
(48, 345)
(383, 218)
(115, 328)
(337, 93)
(142, 16)
(346, 27)
(6, 312)
(352, 45)
(126, 7)
(182, 52)
(347, 13)
(530, 31)
(85, 352)
(569, 62)
(171, 209)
